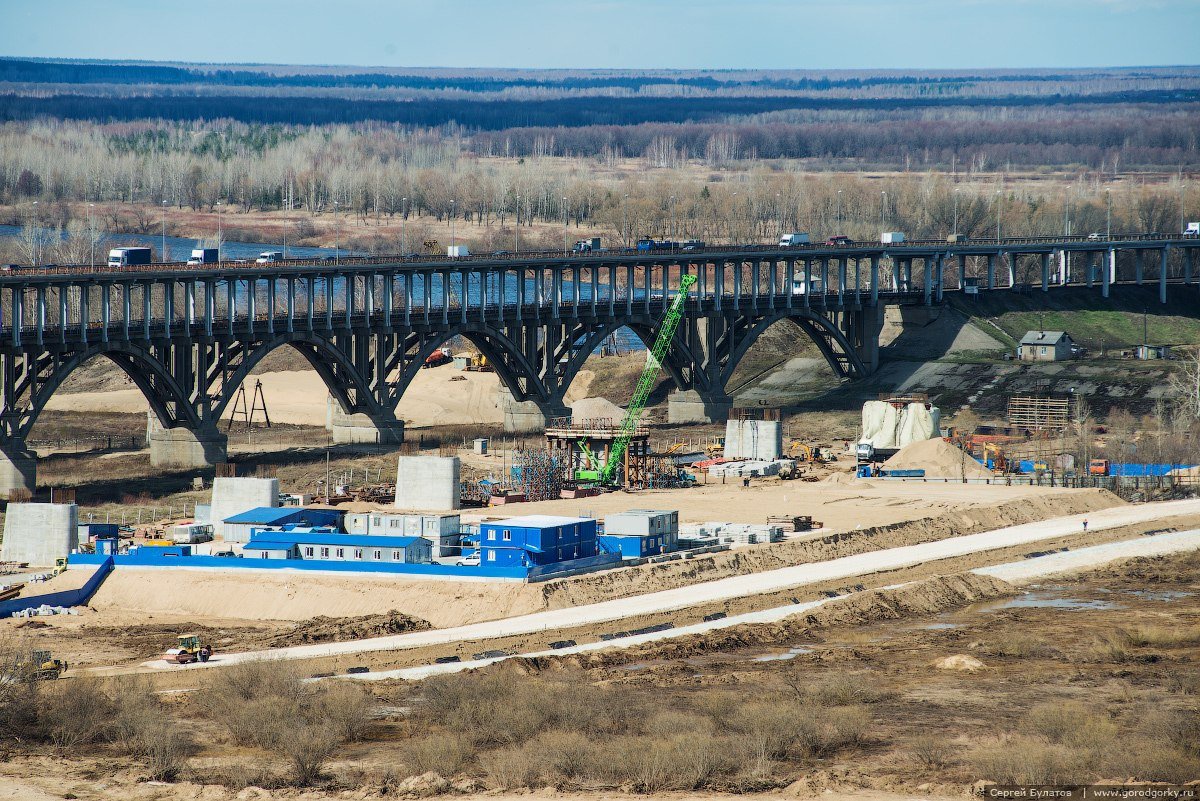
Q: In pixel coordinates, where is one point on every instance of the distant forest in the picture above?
(1100, 119)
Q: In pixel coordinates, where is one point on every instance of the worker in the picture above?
(745, 482)
(1085, 524)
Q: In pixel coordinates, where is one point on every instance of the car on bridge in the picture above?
(839, 240)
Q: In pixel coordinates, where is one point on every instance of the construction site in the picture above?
(815, 578)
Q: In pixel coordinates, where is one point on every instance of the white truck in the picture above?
(269, 257)
(587, 245)
(203, 256)
(125, 257)
(458, 251)
(1193, 229)
(891, 237)
(792, 240)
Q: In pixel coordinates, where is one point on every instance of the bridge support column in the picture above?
(689, 406)
(18, 468)
(1164, 255)
(1137, 267)
(991, 271)
(1109, 273)
(362, 428)
(185, 447)
(527, 416)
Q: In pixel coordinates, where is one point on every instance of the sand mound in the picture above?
(597, 408)
(1186, 472)
(939, 459)
(959, 662)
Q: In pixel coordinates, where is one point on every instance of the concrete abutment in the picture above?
(362, 428)
(18, 469)
(528, 416)
(689, 406)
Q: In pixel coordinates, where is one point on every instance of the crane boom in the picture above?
(662, 343)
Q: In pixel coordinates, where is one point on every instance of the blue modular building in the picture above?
(241, 527)
(536, 540)
(325, 544)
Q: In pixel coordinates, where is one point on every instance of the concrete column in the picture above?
(105, 312)
(1012, 269)
(210, 307)
(824, 277)
(127, 310)
(252, 303)
(362, 428)
(168, 305)
(689, 406)
(928, 288)
(1064, 267)
(40, 322)
(908, 270)
(939, 280)
(271, 304)
(874, 280)
(1045, 257)
(895, 274)
(310, 302)
(348, 282)
(737, 284)
(1089, 266)
(18, 468)
(991, 271)
(1110, 270)
(528, 416)
(962, 270)
(185, 447)
(718, 284)
(464, 286)
(63, 291)
(84, 313)
(1163, 255)
(1137, 266)
(841, 280)
(790, 282)
(612, 290)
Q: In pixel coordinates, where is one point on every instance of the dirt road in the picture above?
(727, 588)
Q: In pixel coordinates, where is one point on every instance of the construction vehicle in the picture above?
(803, 452)
(1099, 467)
(994, 457)
(592, 471)
(60, 564)
(191, 648)
(662, 343)
(43, 666)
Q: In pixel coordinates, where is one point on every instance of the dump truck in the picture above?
(191, 648)
(1099, 467)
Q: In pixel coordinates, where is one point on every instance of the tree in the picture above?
(1185, 387)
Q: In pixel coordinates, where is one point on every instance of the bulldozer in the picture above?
(43, 666)
(191, 648)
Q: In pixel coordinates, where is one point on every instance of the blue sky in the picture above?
(922, 34)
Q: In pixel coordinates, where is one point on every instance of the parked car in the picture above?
(468, 561)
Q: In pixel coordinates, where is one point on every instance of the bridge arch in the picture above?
(168, 400)
(829, 339)
(335, 368)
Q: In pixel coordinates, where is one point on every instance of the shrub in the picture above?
(307, 746)
(1161, 636)
(1072, 724)
(76, 713)
(1025, 760)
(447, 754)
(842, 690)
(930, 751)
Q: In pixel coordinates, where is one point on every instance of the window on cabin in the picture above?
(395, 522)
(507, 535)
(492, 533)
(308, 551)
(491, 556)
(397, 555)
(358, 553)
(324, 553)
(341, 552)
(378, 554)
(377, 521)
(266, 555)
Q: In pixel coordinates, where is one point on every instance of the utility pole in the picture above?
(956, 214)
(998, 199)
(219, 238)
(1108, 203)
(163, 257)
(839, 211)
(883, 212)
(517, 225)
(91, 238)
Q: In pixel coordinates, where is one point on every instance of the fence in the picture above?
(88, 444)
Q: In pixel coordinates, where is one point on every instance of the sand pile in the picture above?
(962, 662)
(1186, 472)
(939, 459)
(596, 408)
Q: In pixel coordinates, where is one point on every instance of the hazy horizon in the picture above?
(616, 34)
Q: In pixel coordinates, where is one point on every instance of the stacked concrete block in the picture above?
(428, 483)
(753, 439)
(232, 496)
(39, 533)
(733, 533)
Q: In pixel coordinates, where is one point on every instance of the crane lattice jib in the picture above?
(662, 343)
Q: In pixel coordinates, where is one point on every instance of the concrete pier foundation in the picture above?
(18, 469)
(185, 447)
(232, 496)
(363, 428)
(39, 533)
(688, 406)
(527, 416)
(428, 483)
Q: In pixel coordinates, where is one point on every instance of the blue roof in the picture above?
(283, 539)
(265, 515)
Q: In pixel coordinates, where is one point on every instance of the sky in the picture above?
(621, 34)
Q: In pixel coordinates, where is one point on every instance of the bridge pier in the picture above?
(18, 468)
(185, 447)
(689, 406)
(528, 416)
(361, 428)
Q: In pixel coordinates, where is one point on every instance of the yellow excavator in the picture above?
(803, 452)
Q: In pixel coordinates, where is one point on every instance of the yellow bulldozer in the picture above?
(191, 648)
(43, 666)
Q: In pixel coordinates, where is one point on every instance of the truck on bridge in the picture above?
(125, 257)
(793, 240)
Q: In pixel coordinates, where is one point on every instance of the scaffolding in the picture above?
(1039, 412)
(540, 475)
(587, 445)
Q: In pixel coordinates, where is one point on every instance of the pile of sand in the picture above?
(962, 662)
(595, 409)
(1186, 472)
(939, 459)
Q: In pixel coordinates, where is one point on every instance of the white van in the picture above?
(269, 257)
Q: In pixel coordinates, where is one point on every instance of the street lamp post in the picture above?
(565, 237)
(337, 236)
(883, 212)
(164, 232)
(1108, 214)
(625, 220)
(956, 214)
(839, 211)
(517, 225)
(674, 230)
(91, 238)
(220, 238)
(998, 199)
(452, 221)
(403, 214)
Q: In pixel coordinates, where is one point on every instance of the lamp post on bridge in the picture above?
(517, 224)
(956, 214)
(164, 231)
(452, 222)
(220, 240)
(403, 214)
(999, 197)
(839, 212)
(91, 237)
(883, 212)
(1108, 224)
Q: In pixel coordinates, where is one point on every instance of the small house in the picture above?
(1045, 346)
(536, 540)
(442, 530)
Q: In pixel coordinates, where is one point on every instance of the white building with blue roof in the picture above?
(323, 544)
